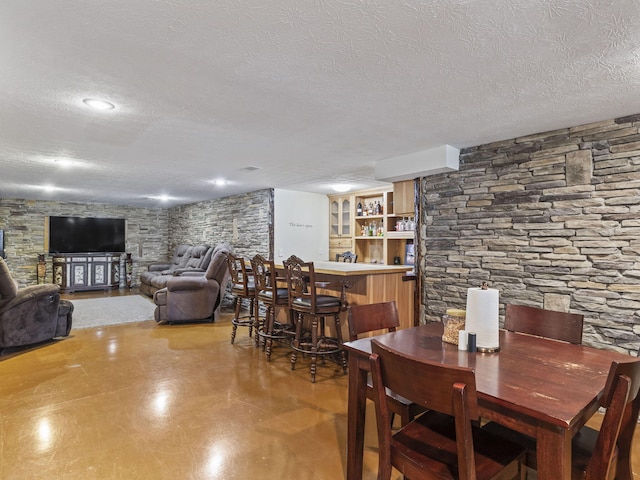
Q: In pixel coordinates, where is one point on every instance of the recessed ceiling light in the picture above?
(341, 187)
(63, 162)
(99, 104)
(161, 198)
(220, 182)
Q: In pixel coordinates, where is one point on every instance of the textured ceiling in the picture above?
(311, 92)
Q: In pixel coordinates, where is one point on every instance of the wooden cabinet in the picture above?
(339, 245)
(341, 213)
(86, 272)
(368, 224)
(403, 198)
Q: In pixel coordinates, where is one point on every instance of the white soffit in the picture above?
(444, 158)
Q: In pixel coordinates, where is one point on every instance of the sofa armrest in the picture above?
(177, 284)
(179, 272)
(159, 267)
(27, 294)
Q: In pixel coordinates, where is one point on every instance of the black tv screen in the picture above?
(86, 235)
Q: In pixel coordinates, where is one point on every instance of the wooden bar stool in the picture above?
(243, 287)
(347, 257)
(272, 297)
(304, 301)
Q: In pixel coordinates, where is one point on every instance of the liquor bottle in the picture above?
(359, 210)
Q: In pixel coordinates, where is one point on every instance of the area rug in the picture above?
(99, 312)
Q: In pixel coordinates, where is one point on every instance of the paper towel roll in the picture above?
(482, 317)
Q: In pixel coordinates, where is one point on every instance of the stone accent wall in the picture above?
(24, 224)
(243, 221)
(550, 220)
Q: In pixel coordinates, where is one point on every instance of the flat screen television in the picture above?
(86, 235)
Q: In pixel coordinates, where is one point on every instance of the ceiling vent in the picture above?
(249, 169)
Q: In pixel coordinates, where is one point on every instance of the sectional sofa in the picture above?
(186, 258)
(191, 286)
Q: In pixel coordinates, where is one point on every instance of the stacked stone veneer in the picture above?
(550, 220)
(24, 224)
(243, 221)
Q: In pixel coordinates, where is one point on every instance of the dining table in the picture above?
(541, 387)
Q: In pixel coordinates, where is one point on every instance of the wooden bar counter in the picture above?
(369, 283)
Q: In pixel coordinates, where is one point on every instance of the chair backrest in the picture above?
(8, 286)
(622, 402)
(181, 256)
(544, 323)
(347, 257)
(262, 269)
(238, 272)
(218, 268)
(372, 317)
(300, 281)
(199, 257)
(442, 388)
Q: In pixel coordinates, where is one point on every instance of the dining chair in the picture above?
(443, 442)
(381, 318)
(243, 288)
(270, 292)
(306, 301)
(566, 327)
(604, 453)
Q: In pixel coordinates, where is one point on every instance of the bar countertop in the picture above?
(346, 269)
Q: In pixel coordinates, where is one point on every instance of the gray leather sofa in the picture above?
(193, 296)
(186, 258)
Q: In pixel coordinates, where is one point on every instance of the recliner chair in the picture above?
(194, 296)
(31, 314)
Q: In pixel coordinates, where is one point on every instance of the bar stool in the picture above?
(347, 256)
(272, 297)
(243, 287)
(304, 301)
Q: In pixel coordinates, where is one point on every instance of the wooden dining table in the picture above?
(543, 388)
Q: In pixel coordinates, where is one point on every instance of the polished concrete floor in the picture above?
(143, 401)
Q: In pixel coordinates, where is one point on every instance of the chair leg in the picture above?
(296, 340)
(314, 348)
(268, 329)
(343, 356)
(250, 317)
(255, 313)
(235, 319)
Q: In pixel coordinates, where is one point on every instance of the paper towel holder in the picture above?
(485, 286)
